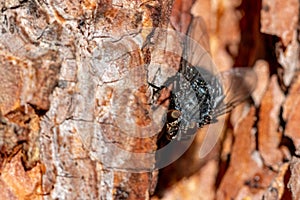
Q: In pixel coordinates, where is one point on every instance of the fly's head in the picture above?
(172, 125)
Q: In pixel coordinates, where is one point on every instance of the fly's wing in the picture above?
(238, 84)
(198, 32)
(196, 47)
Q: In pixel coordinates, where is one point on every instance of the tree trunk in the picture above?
(76, 120)
(68, 69)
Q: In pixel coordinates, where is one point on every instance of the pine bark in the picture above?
(62, 63)
(67, 69)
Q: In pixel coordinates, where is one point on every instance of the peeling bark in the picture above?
(75, 119)
(256, 159)
(62, 66)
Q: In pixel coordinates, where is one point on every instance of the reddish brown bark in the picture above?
(65, 129)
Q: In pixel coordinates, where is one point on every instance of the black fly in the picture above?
(198, 96)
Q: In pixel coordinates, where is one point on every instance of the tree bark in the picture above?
(63, 102)
(75, 118)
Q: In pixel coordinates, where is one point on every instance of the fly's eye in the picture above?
(173, 115)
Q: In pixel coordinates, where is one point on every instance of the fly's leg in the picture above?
(155, 89)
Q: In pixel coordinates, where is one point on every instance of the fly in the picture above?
(198, 96)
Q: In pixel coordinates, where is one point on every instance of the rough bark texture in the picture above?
(74, 99)
(63, 103)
